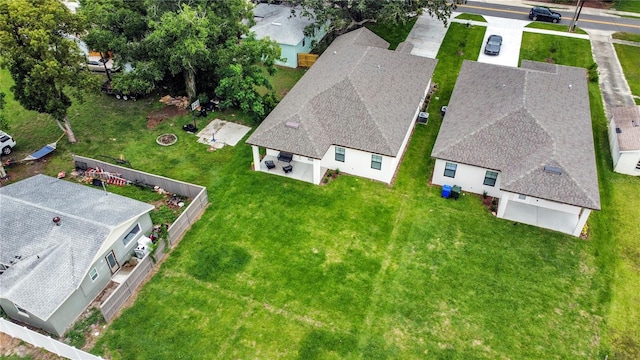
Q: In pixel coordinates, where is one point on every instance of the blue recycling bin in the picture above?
(446, 191)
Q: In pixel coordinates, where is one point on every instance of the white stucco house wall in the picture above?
(277, 23)
(354, 110)
(624, 139)
(522, 135)
(50, 271)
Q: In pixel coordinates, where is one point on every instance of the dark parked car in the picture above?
(494, 42)
(544, 13)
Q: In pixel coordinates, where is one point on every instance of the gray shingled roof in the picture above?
(55, 259)
(519, 120)
(276, 22)
(627, 119)
(357, 95)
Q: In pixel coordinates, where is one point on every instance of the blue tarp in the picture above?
(46, 150)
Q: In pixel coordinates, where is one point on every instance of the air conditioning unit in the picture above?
(143, 248)
(423, 117)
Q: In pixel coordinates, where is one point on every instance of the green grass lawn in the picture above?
(394, 34)
(629, 60)
(474, 17)
(554, 27)
(278, 268)
(626, 36)
(626, 5)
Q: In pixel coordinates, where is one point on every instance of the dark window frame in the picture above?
(450, 169)
(490, 180)
(132, 234)
(340, 154)
(376, 162)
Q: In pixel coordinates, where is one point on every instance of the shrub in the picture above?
(593, 72)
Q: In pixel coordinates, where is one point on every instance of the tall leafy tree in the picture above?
(44, 63)
(202, 41)
(178, 42)
(343, 15)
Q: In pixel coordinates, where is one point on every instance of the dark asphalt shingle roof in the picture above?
(55, 259)
(357, 95)
(519, 120)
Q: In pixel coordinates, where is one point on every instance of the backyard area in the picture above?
(278, 268)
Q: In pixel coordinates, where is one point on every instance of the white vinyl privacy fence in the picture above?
(45, 342)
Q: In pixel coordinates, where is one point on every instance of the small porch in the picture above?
(299, 170)
(541, 217)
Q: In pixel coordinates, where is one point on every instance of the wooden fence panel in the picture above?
(307, 60)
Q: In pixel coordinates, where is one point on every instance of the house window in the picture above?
(490, 178)
(376, 162)
(303, 41)
(340, 154)
(93, 274)
(21, 311)
(127, 239)
(450, 169)
(638, 166)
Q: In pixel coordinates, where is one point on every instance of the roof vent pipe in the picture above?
(56, 220)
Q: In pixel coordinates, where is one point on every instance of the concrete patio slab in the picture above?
(224, 133)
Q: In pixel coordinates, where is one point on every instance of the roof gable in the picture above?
(54, 259)
(519, 120)
(361, 97)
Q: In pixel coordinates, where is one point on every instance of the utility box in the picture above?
(423, 117)
(443, 110)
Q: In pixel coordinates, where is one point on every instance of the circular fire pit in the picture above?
(166, 139)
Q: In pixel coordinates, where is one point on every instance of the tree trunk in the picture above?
(65, 125)
(190, 83)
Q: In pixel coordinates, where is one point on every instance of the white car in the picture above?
(97, 64)
(6, 143)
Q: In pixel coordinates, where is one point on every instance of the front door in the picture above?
(112, 262)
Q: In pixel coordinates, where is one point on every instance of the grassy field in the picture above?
(474, 17)
(628, 56)
(617, 243)
(554, 27)
(627, 5)
(626, 36)
(394, 34)
(356, 269)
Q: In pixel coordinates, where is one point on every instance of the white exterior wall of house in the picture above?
(614, 145)
(358, 163)
(470, 178)
(627, 162)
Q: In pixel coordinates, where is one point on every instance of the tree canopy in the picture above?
(206, 43)
(44, 62)
(343, 15)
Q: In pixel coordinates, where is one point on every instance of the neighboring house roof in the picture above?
(519, 120)
(627, 119)
(54, 259)
(358, 95)
(277, 22)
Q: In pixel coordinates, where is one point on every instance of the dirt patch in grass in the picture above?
(157, 116)
(594, 4)
(11, 346)
(19, 171)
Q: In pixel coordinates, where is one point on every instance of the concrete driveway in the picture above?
(511, 32)
(426, 36)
